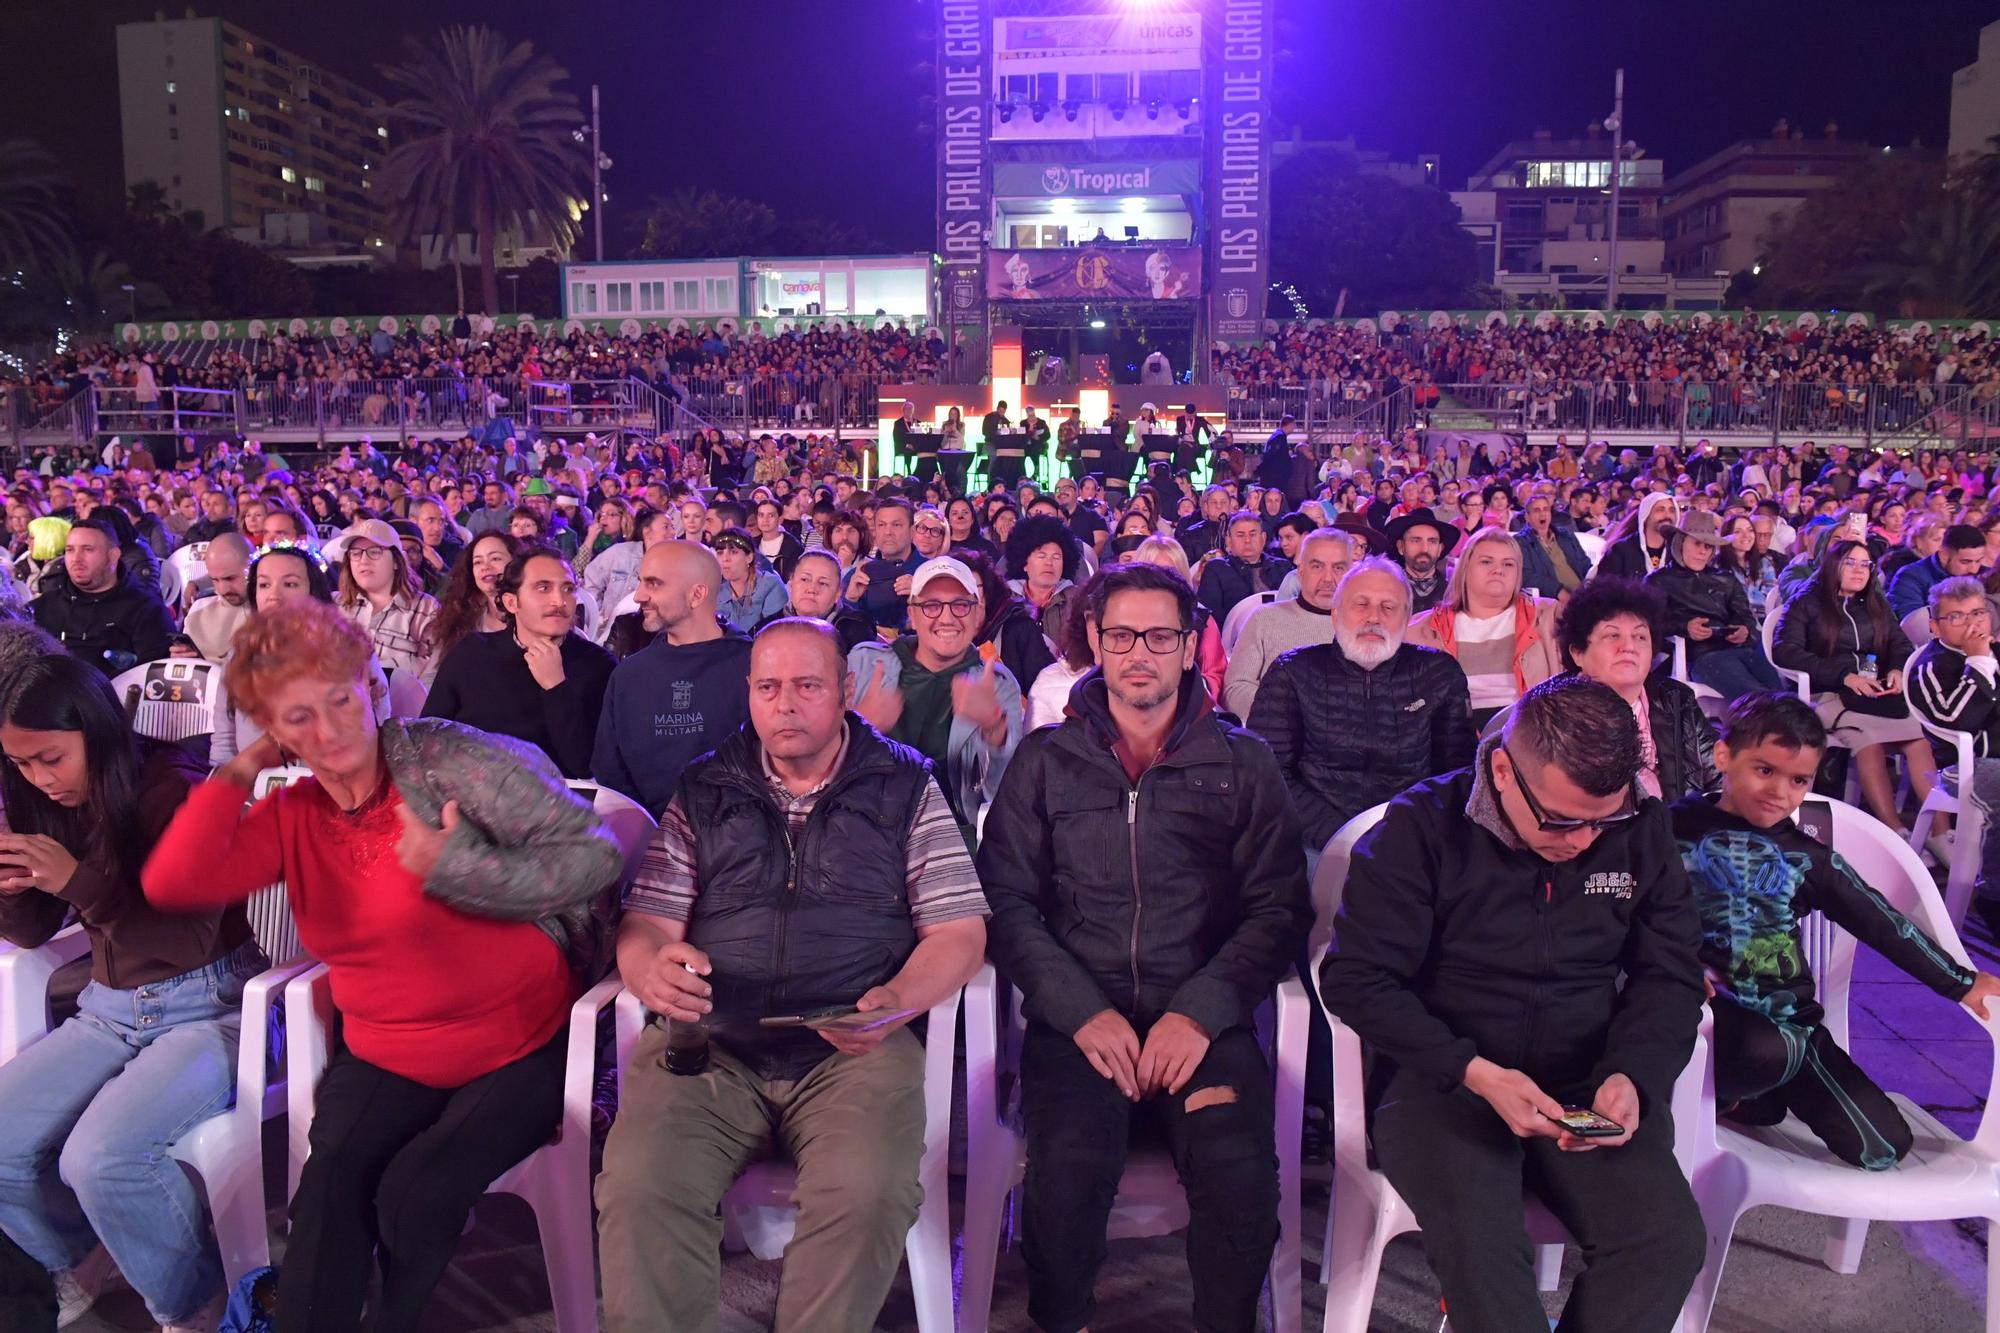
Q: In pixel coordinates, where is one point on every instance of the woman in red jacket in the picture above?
(449, 881)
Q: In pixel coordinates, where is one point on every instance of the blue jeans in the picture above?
(90, 1111)
(1735, 672)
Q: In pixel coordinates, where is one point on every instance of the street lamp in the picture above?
(514, 292)
(133, 292)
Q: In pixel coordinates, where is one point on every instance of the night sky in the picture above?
(812, 105)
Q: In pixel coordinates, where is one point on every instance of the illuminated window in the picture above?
(315, 183)
(172, 87)
(289, 176)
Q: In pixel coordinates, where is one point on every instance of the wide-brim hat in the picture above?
(1701, 525)
(1355, 525)
(1448, 533)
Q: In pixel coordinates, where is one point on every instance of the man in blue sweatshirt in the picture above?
(674, 701)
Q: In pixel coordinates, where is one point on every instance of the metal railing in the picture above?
(177, 411)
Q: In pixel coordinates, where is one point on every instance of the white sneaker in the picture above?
(78, 1289)
(205, 1320)
(1940, 846)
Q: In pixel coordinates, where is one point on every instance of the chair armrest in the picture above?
(253, 1048)
(1693, 1102)
(308, 1022)
(24, 987)
(580, 1064)
(1987, 1137)
(1293, 1033)
(1350, 1133)
(1679, 670)
(940, 1064)
(1800, 681)
(628, 1021)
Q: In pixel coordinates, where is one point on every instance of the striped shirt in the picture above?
(938, 876)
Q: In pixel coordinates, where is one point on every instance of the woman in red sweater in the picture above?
(458, 893)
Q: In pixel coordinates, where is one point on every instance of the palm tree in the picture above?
(1946, 263)
(90, 294)
(485, 142)
(32, 221)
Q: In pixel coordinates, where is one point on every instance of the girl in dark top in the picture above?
(90, 1110)
(537, 680)
(1838, 629)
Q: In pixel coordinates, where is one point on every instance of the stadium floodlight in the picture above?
(1131, 205)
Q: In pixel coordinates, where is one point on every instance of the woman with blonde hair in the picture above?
(1504, 638)
(1209, 658)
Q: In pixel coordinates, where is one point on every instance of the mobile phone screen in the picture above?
(1588, 1124)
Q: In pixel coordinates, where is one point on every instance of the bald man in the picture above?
(679, 697)
(213, 620)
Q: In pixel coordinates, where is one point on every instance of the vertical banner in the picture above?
(964, 179)
(1236, 142)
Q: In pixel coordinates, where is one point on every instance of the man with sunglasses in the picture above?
(936, 692)
(1143, 868)
(1514, 940)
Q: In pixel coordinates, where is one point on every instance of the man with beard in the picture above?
(1296, 622)
(1421, 541)
(1355, 721)
(679, 697)
(1143, 939)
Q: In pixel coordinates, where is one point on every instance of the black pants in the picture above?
(397, 1165)
(1079, 1129)
(1463, 1172)
(1768, 1068)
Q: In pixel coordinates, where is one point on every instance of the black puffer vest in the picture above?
(796, 924)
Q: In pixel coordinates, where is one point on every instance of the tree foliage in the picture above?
(1822, 256)
(1387, 244)
(34, 224)
(693, 223)
(485, 140)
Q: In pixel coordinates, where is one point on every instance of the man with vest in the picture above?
(1148, 890)
(807, 863)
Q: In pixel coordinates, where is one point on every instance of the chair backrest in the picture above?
(1330, 879)
(628, 821)
(270, 909)
(1917, 625)
(1959, 739)
(175, 697)
(407, 693)
(586, 614)
(1679, 670)
(1239, 616)
(183, 565)
(626, 606)
(1883, 861)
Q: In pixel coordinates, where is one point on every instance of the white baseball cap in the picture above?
(943, 566)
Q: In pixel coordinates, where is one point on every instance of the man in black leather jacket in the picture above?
(1355, 721)
(1142, 864)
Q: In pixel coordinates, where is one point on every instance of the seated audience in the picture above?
(1606, 634)
(1502, 636)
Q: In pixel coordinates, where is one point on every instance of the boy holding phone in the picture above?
(1755, 875)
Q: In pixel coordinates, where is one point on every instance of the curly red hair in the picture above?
(307, 637)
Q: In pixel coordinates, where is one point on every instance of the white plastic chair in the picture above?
(1239, 616)
(1706, 696)
(1150, 1201)
(181, 568)
(225, 1151)
(1798, 680)
(1943, 1178)
(758, 1211)
(1917, 627)
(1950, 795)
(586, 614)
(1593, 546)
(1367, 1212)
(175, 697)
(554, 1180)
(407, 693)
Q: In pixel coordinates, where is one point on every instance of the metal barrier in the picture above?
(178, 411)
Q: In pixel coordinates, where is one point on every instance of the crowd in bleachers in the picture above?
(875, 735)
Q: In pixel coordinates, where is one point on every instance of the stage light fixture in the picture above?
(1006, 110)
(1153, 110)
(1071, 107)
(1118, 110)
(1038, 110)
